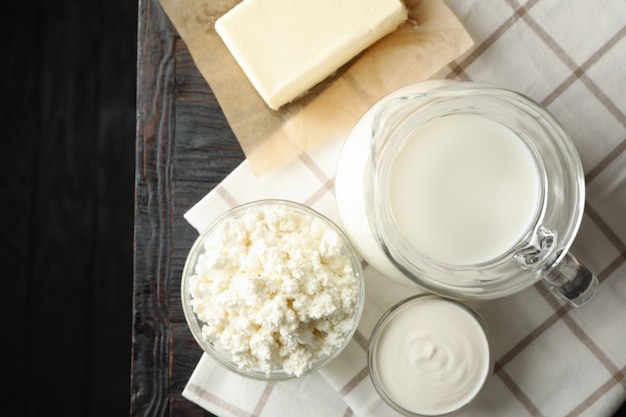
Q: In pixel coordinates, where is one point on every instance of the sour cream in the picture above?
(429, 356)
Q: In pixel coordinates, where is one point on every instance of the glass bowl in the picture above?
(430, 356)
(272, 290)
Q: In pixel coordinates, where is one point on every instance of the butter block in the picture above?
(285, 47)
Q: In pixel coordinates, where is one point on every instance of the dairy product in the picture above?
(464, 189)
(351, 186)
(431, 356)
(285, 47)
(275, 289)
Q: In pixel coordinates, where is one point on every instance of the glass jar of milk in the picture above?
(467, 190)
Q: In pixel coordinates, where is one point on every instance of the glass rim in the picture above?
(380, 327)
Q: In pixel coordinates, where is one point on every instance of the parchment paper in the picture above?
(430, 39)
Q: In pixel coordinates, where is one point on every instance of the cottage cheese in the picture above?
(274, 288)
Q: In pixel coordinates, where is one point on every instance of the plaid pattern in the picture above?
(551, 360)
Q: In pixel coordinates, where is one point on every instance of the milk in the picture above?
(474, 241)
(464, 189)
(432, 357)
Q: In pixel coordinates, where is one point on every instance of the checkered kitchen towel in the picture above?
(551, 360)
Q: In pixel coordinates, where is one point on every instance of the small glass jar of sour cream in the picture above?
(430, 356)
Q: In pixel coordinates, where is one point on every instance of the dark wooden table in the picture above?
(184, 148)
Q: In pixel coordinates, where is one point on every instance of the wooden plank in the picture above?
(150, 362)
(184, 149)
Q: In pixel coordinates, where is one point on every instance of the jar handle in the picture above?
(572, 281)
(569, 279)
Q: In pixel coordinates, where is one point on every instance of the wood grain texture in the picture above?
(184, 148)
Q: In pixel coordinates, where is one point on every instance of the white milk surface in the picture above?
(464, 189)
